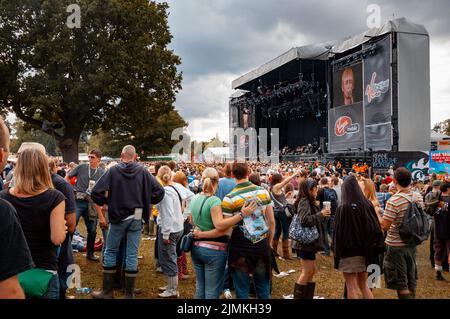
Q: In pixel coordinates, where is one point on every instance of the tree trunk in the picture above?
(69, 148)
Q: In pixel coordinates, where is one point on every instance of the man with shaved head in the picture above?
(347, 86)
(129, 190)
(15, 256)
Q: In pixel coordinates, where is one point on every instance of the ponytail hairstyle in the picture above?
(210, 178)
(165, 174)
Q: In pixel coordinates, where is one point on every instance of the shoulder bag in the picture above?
(187, 240)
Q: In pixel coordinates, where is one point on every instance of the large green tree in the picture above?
(114, 73)
(22, 134)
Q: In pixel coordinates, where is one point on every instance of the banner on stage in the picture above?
(440, 162)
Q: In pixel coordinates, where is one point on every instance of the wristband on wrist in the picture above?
(241, 214)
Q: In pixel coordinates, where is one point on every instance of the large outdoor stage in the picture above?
(352, 99)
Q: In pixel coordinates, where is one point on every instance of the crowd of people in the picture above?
(231, 219)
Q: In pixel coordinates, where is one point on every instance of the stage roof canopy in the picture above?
(324, 50)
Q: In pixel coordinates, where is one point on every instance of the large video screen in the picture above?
(348, 85)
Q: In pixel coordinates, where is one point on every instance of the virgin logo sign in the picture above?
(341, 124)
(344, 125)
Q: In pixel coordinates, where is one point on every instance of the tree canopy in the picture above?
(443, 127)
(115, 73)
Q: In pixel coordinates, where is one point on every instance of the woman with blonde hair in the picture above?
(40, 209)
(368, 188)
(170, 230)
(210, 251)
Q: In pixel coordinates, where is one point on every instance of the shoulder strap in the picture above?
(179, 196)
(201, 208)
(274, 198)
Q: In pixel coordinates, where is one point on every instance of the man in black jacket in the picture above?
(129, 190)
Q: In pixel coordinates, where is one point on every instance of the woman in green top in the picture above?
(210, 250)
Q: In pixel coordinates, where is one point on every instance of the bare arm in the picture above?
(11, 289)
(71, 221)
(223, 224)
(278, 187)
(57, 224)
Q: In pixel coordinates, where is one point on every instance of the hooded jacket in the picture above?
(357, 232)
(129, 186)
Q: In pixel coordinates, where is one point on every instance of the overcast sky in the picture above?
(220, 40)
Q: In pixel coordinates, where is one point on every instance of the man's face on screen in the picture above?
(347, 85)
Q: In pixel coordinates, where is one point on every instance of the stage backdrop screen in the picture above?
(346, 127)
(378, 96)
(348, 85)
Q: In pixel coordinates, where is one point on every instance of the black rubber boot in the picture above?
(118, 278)
(107, 290)
(300, 291)
(310, 290)
(130, 282)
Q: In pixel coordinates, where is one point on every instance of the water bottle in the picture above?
(84, 290)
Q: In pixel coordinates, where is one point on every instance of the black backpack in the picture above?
(415, 228)
(330, 195)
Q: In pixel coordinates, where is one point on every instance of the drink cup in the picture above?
(327, 205)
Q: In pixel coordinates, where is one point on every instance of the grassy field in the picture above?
(329, 282)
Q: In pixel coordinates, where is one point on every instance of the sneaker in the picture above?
(169, 294)
(227, 294)
(159, 269)
(162, 289)
(93, 257)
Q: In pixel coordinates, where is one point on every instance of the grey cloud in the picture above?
(219, 36)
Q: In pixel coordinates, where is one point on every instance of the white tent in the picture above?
(218, 154)
(436, 136)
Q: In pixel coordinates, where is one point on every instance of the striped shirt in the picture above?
(395, 211)
(233, 202)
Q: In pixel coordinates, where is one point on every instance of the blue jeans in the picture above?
(281, 224)
(261, 278)
(53, 289)
(130, 228)
(91, 225)
(122, 249)
(209, 265)
(328, 231)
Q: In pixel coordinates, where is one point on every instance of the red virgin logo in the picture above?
(344, 125)
(341, 124)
